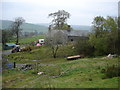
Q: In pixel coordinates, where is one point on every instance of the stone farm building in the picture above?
(69, 35)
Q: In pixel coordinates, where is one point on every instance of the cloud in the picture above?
(59, 1)
(36, 11)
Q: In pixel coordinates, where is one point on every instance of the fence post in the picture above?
(14, 65)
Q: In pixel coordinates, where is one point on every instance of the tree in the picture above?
(118, 40)
(118, 23)
(105, 35)
(59, 20)
(7, 35)
(112, 35)
(84, 47)
(16, 27)
(55, 41)
(100, 44)
(98, 25)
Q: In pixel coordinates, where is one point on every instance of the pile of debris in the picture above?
(26, 67)
(110, 56)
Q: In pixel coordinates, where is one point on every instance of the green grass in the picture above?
(28, 40)
(58, 73)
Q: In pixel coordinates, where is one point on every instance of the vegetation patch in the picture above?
(58, 72)
(111, 71)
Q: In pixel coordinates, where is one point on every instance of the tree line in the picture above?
(104, 38)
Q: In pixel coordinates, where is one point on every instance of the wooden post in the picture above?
(14, 65)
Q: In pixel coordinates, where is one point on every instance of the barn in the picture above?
(70, 35)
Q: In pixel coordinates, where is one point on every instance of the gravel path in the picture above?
(5, 53)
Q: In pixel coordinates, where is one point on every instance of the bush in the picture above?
(112, 71)
(84, 47)
(66, 50)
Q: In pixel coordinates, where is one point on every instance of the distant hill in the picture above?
(75, 27)
(81, 27)
(41, 27)
(44, 24)
(27, 27)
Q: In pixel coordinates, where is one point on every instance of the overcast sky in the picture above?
(36, 11)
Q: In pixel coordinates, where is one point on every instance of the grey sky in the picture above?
(36, 11)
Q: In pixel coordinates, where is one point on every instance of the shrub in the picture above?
(112, 71)
(84, 47)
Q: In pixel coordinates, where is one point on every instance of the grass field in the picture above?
(58, 73)
(28, 40)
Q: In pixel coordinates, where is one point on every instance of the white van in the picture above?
(41, 41)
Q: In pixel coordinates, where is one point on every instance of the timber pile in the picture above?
(73, 57)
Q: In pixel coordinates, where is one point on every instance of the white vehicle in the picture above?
(42, 41)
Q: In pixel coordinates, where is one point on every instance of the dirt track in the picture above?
(5, 53)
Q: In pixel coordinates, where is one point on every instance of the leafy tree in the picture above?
(98, 25)
(100, 44)
(7, 35)
(118, 40)
(59, 20)
(84, 47)
(16, 27)
(118, 23)
(111, 24)
(105, 35)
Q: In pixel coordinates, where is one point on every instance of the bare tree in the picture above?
(55, 41)
(16, 27)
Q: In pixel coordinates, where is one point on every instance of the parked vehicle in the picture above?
(8, 46)
(42, 41)
(16, 49)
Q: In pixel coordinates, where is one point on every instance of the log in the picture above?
(73, 57)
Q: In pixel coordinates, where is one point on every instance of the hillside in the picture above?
(75, 27)
(81, 27)
(27, 27)
(41, 27)
(58, 73)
